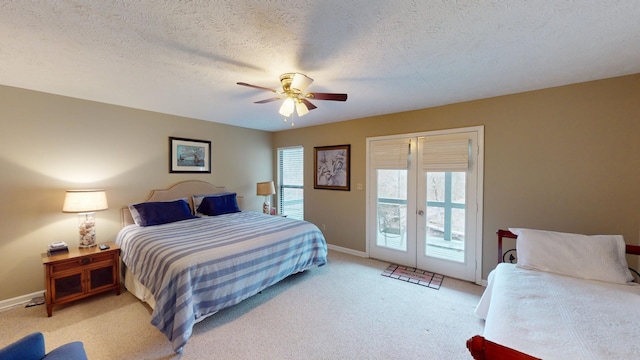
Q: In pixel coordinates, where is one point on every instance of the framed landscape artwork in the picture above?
(332, 167)
(189, 155)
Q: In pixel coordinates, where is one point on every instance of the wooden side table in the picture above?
(80, 273)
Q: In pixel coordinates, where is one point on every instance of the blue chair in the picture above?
(31, 347)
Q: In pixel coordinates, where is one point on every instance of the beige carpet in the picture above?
(344, 310)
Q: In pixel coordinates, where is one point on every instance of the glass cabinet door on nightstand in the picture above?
(100, 277)
(67, 286)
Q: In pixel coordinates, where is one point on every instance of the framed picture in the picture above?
(189, 155)
(332, 167)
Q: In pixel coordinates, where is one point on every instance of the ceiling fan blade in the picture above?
(300, 82)
(327, 96)
(266, 100)
(256, 86)
(308, 103)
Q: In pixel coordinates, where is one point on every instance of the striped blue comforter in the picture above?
(197, 267)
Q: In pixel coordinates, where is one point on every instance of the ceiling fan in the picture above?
(293, 87)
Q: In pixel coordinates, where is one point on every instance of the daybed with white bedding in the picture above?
(190, 267)
(568, 297)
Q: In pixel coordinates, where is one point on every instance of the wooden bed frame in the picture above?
(482, 349)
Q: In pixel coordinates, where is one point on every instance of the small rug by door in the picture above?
(414, 276)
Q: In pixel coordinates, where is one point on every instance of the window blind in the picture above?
(390, 154)
(445, 155)
(291, 182)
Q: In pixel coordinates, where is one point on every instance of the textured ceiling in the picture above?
(185, 57)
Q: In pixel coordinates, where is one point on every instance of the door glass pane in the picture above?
(457, 225)
(459, 186)
(445, 215)
(392, 209)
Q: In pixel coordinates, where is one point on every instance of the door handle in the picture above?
(420, 212)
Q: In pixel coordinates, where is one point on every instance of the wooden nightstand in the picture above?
(80, 273)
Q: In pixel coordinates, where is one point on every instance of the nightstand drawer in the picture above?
(83, 261)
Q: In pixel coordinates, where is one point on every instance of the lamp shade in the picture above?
(301, 108)
(266, 188)
(287, 107)
(84, 201)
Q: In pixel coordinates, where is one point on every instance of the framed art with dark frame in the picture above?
(331, 167)
(189, 155)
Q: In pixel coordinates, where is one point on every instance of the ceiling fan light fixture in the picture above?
(294, 96)
(300, 82)
(287, 107)
(301, 108)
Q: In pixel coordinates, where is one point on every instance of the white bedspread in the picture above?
(552, 316)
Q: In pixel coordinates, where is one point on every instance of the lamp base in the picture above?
(86, 230)
(266, 208)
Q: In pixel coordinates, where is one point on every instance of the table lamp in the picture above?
(85, 203)
(266, 189)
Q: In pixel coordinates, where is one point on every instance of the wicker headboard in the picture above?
(185, 189)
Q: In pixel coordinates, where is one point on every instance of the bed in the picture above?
(568, 296)
(188, 267)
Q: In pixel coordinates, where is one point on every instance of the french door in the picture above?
(424, 201)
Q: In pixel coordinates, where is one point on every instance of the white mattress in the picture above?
(134, 286)
(552, 316)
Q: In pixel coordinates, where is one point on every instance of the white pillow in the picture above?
(594, 257)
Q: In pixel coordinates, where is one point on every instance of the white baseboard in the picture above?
(364, 255)
(347, 250)
(20, 300)
(24, 299)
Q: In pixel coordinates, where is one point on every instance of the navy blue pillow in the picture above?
(219, 204)
(157, 213)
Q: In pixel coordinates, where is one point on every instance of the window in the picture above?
(291, 182)
(446, 206)
(445, 162)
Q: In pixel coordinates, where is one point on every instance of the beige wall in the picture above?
(51, 143)
(565, 159)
